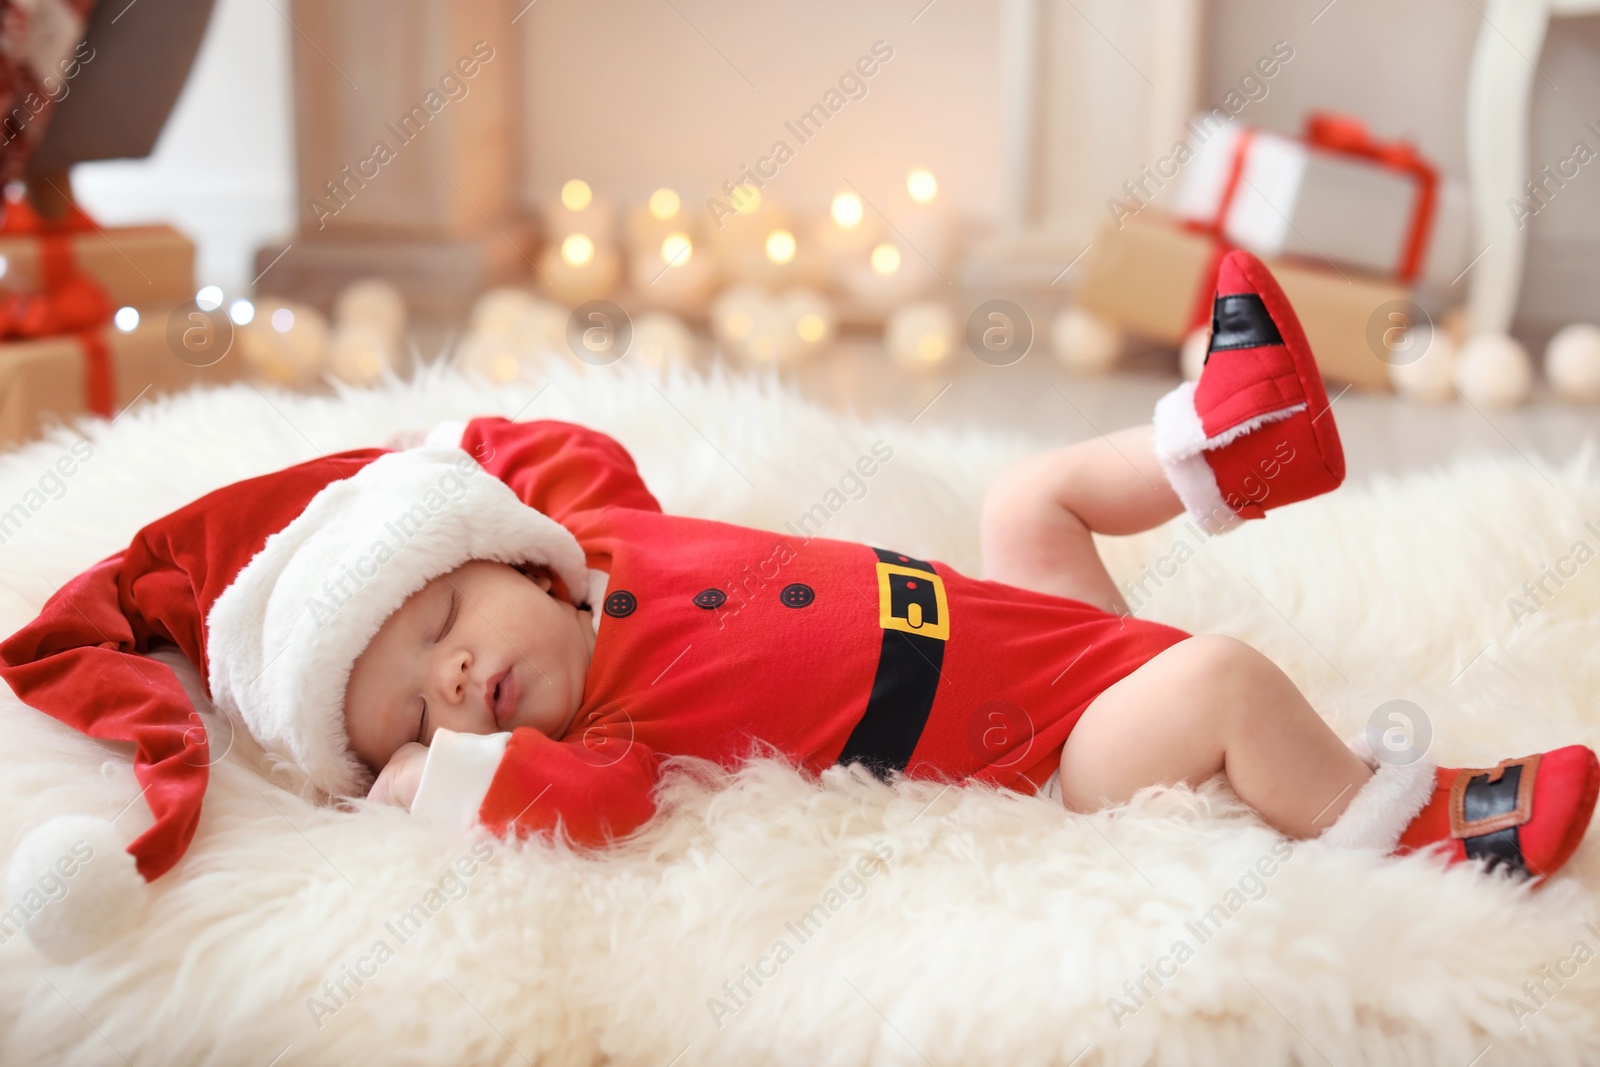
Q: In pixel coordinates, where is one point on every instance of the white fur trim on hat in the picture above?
(282, 638)
(72, 885)
(1381, 810)
(448, 432)
(1179, 441)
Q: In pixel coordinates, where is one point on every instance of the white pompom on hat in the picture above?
(81, 859)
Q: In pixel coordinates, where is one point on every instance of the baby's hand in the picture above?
(397, 783)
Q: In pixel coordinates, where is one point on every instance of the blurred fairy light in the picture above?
(283, 320)
(847, 210)
(126, 319)
(241, 312)
(577, 249)
(886, 259)
(677, 248)
(576, 194)
(922, 186)
(664, 204)
(209, 298)
(746, 199)
(780, 246)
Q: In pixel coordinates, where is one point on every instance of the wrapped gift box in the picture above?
(100, 372)
(1154, 278)
(1336, 195)
(138, 266)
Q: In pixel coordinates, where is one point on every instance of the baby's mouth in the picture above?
(503, 695)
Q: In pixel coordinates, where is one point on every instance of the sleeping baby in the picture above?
(499, 627)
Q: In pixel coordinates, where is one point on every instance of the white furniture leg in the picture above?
(1498, 98)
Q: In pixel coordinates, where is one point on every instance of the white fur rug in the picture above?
(989, 929)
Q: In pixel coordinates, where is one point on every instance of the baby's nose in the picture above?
(455, 679)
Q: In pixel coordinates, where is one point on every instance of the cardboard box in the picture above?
(138, 266)
(1150, 275)
(61, 378)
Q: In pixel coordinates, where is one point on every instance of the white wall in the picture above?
(630, 96)
(223, 168)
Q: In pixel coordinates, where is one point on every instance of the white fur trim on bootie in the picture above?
(1180, 441)
(1382, 809)
(72, 885)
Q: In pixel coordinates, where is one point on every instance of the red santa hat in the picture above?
(271, 587)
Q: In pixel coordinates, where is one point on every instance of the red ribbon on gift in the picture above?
(78, 303)
(70, 300)
(1241, 152)
(1334, 132)
(100, 385)
(1331, 131)
(55, 237)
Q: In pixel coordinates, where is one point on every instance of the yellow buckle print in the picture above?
(915, 601)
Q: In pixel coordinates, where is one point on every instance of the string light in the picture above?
(577, 249)
(780, 246)
(126, 319)
(886, 259)
(241, 312)
(922, 186)
(746, 199)
(576, 194)
(209, 298)
(847, 210)
(677, 248)
(664, 204)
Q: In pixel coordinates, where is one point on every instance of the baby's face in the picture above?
(480, 650)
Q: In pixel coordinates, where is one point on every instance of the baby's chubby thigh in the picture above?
(1165, 722)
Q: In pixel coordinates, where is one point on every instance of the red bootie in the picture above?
(1526, 815)
(1255, 432)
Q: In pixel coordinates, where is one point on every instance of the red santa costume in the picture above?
(712, 640)
(711, 636)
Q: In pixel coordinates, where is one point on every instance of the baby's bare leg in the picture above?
(1039, 514)
(1211, 704)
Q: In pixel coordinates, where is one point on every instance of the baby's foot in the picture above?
(1526, 815)
(1256, 431)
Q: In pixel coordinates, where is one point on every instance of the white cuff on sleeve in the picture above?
(456, 776)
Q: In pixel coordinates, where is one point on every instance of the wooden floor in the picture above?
(1037, 397)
